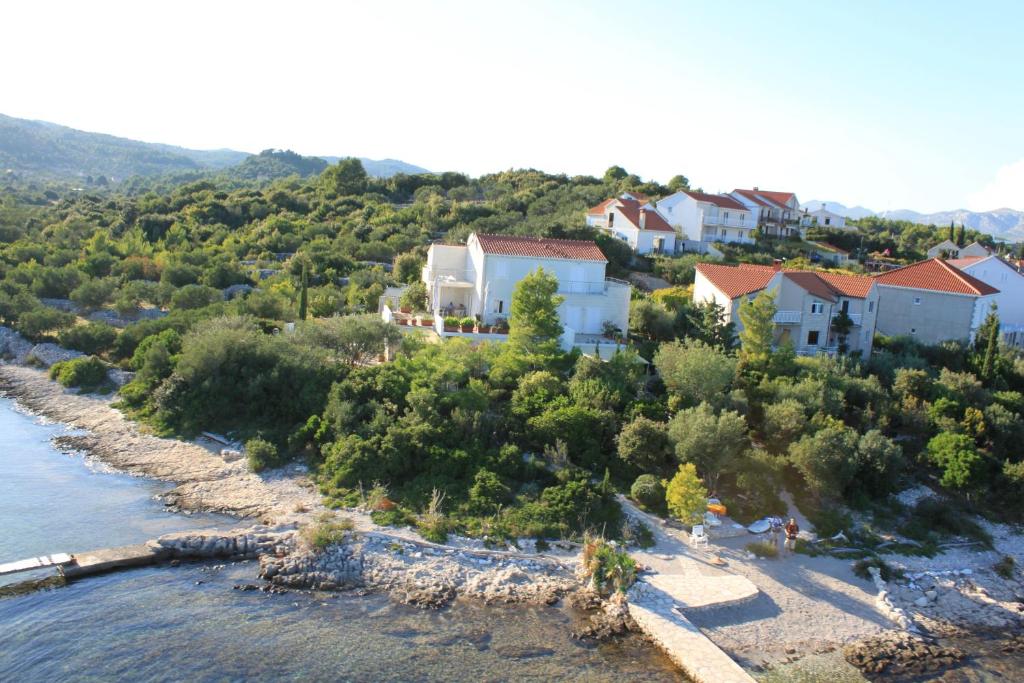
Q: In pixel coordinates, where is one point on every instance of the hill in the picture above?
(1002, 224)
(45, 149)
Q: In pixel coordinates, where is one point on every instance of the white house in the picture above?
(633, 219)
(823, 218)
(807, 303)
(947, 249)
(831, 255)
(932, 301)
(706, 218)
(478, 280)
(997, 273)
(777, 213)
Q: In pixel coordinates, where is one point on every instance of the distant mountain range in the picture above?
(1003, 224)
(50, 150)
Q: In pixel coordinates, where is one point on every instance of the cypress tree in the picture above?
(988, 366)
(303, 295)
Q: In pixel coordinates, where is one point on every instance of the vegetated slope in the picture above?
(48, 149)
(39, 148)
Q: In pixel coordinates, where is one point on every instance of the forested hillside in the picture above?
(191, 286)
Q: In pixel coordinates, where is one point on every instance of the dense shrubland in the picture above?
(196, 285)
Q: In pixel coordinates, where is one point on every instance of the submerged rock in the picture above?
(901, 654)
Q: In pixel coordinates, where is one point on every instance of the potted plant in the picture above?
(467, 324)
(413, 298)
(610, 330)
(426, 320)
(451, 323)
(482, 328)
(500, 326)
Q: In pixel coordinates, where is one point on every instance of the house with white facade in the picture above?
(777, 213)
(948, 249)
(1004, 276)
(832, 256)
(823, 218)
(703, 219)
(807, 303)
(477, 280)
(932, 301)
(633, 219)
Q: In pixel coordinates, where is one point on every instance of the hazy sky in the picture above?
(886, 104)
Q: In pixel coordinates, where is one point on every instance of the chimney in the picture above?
(777, 265)
(643, 219)
(756, 188)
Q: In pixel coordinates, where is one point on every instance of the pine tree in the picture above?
(951, 234)
(960, 235)
(758, 318)
(992, 344)
(304, 294)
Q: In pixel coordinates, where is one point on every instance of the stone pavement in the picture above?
(683, 578)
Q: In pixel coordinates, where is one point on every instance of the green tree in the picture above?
(960, 238)
(644, 444)
(758, 318)
(694, 371)
(353, 338)
(347, 177)
(957, 457)
(534, 325)
(950, 235)
(304, 292)
(408, 268)
(826, 458)
(678, 182)
(686, 496)
(986, 343)
(784, 423)
(709, 441)
(615, 174)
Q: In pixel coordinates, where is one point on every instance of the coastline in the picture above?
(810, 611)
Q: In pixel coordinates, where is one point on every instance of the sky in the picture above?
(913, 104)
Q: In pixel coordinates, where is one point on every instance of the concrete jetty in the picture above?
(681, 579)
(110, 559)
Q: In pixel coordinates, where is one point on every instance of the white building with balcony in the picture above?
(1007, 278)
(777, 213)
(703, 218)
(807, 303)
(478, 280)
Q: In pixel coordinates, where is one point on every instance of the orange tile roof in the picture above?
(936, 275)
(630, 208)
(757, 199)
(965, 261)
(733, 281)
(541, 247)
(777, 197)
(600, 209)
(719, 200)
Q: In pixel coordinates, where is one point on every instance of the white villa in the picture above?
(633, 219)
(823, 218)
(478, 279)
(703, 218)
(807, 303)
(1004, 276)
(949, 250)
(776, 213)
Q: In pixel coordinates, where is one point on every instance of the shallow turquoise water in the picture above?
(189, 624)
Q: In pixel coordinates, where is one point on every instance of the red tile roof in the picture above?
(757, 198)
(965, 261)
(601, 208)
(719, 200)
(631, 209)
(936, 275)
(733, 281)
(541, 247)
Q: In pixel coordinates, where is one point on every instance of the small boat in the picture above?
(760, 526)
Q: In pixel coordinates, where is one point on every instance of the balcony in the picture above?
(788, 317)
(720, 220)
(448, 277)
(590, 287)
(857, 318)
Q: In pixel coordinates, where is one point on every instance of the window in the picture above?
(828, 221)
(611, 219)
(726, 215)
(845, 306)
(917, 301)
(871, 307)
(743, 216)
(913, 330)
(816, 308)
(812, 338)
(499, 306)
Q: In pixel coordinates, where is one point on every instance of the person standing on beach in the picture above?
(792, 529)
